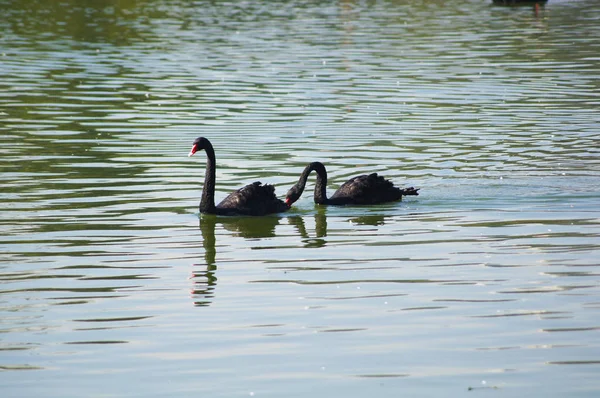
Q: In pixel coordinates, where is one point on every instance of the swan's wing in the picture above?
(242, 197)
(253, 199)
(367, 189)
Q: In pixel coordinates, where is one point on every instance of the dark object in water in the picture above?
(362, 190)
(252, 200)
(518, 2)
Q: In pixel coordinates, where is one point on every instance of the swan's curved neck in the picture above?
(321, 184)
(207, 203)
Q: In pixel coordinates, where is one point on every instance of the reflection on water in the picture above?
(488, 278)
(203, 275)
(251, 228)
(320, 222)
(373, 220)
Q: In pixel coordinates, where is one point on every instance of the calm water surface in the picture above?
(486, 283)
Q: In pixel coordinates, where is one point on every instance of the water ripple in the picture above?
(106, 267)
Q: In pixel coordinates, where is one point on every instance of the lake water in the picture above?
(487, 284)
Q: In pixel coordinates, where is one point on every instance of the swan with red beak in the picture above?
(368, 189)
(254, 199)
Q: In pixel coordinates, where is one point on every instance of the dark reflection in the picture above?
(321, 223)
(374, 219)
(518, 2)
(535, 4)
(320, 229)
(251, 227)
(205, 283)
(205, 280)
(204, 274)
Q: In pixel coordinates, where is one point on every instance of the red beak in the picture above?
(193, 150)
(288, 202)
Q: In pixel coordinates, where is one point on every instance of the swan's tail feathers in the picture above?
(410, 191)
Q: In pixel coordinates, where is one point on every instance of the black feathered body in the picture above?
(365, 189)
(252, 200)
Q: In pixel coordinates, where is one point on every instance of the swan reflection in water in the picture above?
(375, 220)
(250, 228)
(320, 229)
(205, 279)
(204, 275)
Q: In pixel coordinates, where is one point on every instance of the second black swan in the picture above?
(365, 189)
(252, 200)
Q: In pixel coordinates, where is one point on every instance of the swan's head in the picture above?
(199, 144)
(292, 195)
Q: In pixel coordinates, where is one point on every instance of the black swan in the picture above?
(362, 190)
(252, 200)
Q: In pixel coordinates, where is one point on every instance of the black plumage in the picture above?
(254, 199)
(365, 189)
